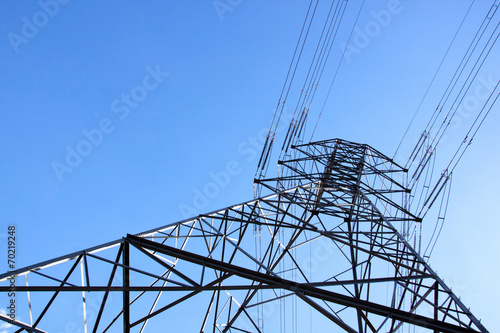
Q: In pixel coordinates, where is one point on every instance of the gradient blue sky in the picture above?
(225, 73)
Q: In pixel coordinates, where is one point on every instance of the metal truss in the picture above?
(323, 246)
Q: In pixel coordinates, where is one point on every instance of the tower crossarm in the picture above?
(333, 205)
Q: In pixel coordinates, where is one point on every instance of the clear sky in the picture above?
(116, 115)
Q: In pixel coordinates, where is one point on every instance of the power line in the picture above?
(459, 72)
(433, 79)
(266, 151)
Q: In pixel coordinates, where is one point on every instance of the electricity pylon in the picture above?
(322, 250)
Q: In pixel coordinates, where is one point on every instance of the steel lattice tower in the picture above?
(236, 269)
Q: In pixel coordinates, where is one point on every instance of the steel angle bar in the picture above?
(18, 323)
(58, 260)
(455, 299)
(304, 288)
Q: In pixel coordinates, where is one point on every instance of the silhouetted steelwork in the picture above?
(337, 205)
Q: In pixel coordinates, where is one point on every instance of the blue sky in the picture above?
(206, 81)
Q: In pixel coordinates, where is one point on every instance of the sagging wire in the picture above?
(296, 129)
(314, 75)
(267, 149)
(424, 192)
(462, 148)
(459, 72)
(433, 79)
(443, 208)
(336, 71)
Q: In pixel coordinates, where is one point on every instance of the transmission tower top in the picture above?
(322, 247)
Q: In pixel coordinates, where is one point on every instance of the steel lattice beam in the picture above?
(331, 192)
